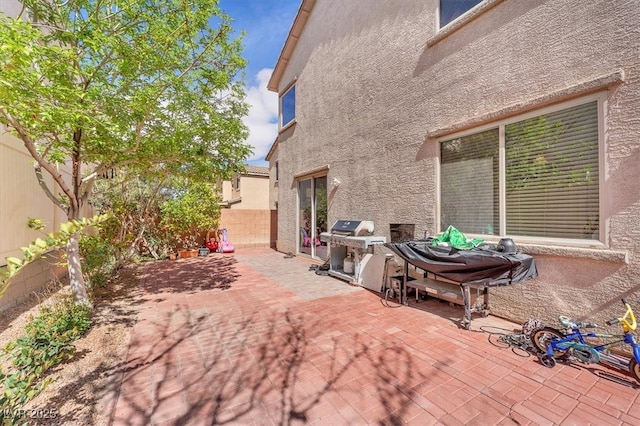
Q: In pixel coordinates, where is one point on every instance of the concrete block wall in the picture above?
(247, 228)
(42, 275)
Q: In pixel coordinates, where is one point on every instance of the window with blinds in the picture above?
(550, 180)
(469, 181)
(552, 174)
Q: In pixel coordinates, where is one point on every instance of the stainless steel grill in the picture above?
(352, 233)
(351, 249)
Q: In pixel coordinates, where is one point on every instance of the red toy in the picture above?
(212, 245)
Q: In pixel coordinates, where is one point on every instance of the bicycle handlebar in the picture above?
(628, 320)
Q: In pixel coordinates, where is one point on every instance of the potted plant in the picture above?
(186, 215)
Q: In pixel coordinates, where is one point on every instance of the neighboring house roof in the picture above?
(227, 203)
(249, 171)
(256, 170)
(290, 44)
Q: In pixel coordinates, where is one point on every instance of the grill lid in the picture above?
(352, 227)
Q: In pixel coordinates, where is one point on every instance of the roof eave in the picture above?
(272, 150)
(226, 203)
(290, 44)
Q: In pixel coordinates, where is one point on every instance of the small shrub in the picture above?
(99, 260)
(48, 341)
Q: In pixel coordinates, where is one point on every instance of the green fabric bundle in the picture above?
(456, 239)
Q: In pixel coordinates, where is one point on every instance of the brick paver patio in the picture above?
(254, 338)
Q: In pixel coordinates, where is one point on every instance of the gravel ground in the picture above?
(79, 386)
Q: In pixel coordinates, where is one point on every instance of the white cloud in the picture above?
(263, 117)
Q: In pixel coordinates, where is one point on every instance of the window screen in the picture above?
(551, 177)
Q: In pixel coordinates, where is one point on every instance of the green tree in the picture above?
(136, 86)
(134, 204)
(189, 212)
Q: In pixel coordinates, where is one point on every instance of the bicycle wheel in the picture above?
(634, 368)
(547, 361)
(540, 339)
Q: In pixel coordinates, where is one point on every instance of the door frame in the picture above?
(314, 216)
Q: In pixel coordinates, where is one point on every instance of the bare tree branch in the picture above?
(50, 168)
(47, 190)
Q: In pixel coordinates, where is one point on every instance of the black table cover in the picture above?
(481, 265)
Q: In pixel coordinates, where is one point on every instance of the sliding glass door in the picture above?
(312, 216)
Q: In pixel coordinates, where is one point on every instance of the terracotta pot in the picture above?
(187, 253)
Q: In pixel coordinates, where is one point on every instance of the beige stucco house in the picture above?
(504, 118)
(246, 213)
(247, 190)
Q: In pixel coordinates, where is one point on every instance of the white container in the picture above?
(347, 265)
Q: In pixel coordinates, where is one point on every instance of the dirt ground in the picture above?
(79, 386)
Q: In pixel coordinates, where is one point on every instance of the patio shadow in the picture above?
(214, 272)
(275, 368)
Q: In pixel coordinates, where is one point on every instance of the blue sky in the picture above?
(266, 24)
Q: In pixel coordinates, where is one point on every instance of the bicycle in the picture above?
(553, 344)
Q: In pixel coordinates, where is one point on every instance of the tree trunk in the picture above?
(76, 279)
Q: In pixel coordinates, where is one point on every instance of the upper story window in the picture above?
(288, 107)
(533, 176)
(450, 10)
(277, 167)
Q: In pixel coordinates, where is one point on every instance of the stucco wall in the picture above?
(254, 191)
(10, 8)
(227, 190)
(21, 198)
(373, 86)
(273, 179)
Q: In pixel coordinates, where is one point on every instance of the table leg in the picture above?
(486, 300)
(403, 290)
(466, 295)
